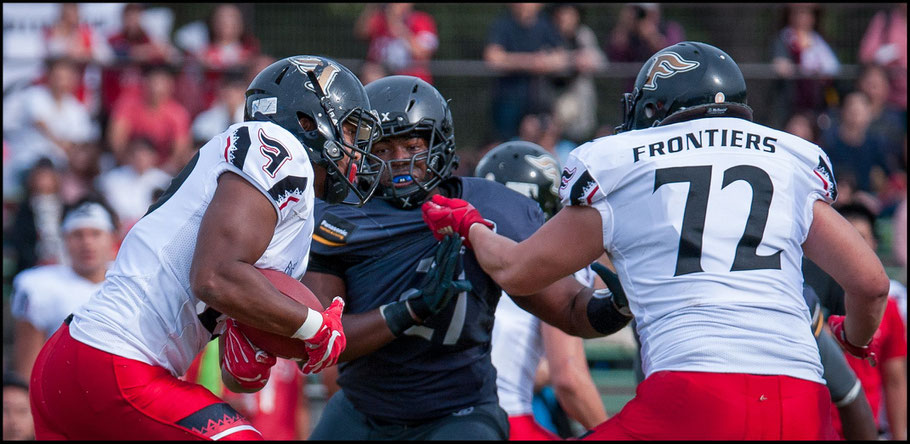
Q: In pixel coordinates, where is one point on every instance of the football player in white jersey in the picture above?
(706, 216)
(521, 340)
(44, 296)
(244, 201)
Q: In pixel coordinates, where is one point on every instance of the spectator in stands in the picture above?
(35, 235)
(370, 71)
(155, 115)
(129, 188)
(899, 236)
(576, 103)
(231, 46)
(640, 32)
(78, 180)
(68, 38)
(226, 111)
(131, 46)
(888, 122)
(524, 48)
(400, 39)
(17, 414)
(886, 383)
(52, 119)
(547, 132)
(799, 50)
(885, 44)
(851, 147)
(804, 125)
(44, 296)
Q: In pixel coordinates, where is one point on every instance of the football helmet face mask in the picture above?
(344, 125)
(527, 168)
(408, 106)
(685, 81)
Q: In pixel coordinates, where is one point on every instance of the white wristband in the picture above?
(310, 326)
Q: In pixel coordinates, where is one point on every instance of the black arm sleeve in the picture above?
(842, 382)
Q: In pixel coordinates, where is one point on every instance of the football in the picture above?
(283, 346)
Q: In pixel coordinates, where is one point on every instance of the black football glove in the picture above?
(608, 311)
(434, 292)
(612, 280)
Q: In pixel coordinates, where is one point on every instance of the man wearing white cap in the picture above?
(43, 296)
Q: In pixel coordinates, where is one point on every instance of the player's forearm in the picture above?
(582, 401)
(835, 246)
(239, 291)
(895, 388)
(366, 333)
(497, 256)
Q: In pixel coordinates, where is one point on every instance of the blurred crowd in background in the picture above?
(110, 100)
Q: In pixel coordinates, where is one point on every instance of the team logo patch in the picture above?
(274, 151)
(823, 171)
(333, 230)
(566, 177)
(548, 166)
(583, 190)
(667, 65)
(325, 72)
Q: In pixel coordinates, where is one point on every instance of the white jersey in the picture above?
(145, 309)
(517, 347)
(704, 221)
(45, 296)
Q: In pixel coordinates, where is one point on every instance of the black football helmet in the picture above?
(330, 95)
(527, 168)
(407, 105)
(685, 81)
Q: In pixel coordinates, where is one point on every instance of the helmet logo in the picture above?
(385, 117)
(667, 65)
(325, 71)
(719, 98)
(548, 166)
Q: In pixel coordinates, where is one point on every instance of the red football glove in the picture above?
(445, 216)
(837, 329)
(324, 348)
(247, 364)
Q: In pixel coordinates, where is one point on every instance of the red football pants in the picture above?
(81, 393)
(673, 405)
(525, 428)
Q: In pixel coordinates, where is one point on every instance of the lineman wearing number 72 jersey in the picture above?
(245, 200)
(706, 217)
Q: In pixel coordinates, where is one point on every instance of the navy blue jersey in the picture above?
(380, 251)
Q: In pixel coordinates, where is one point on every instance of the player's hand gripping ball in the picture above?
(249, 365)
(283, 346)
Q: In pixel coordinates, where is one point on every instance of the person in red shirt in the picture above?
(130, 46)
(155, 115)
(887, 380)
(401, 39)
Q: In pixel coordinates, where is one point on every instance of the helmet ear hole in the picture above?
(306, 122)
(650, 111)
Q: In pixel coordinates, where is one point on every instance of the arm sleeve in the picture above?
(841, 380)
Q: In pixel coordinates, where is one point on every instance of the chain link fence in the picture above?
(745, 31)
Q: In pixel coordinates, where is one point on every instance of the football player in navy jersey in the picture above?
(187, 269)
(418, 366)
(706, 217)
